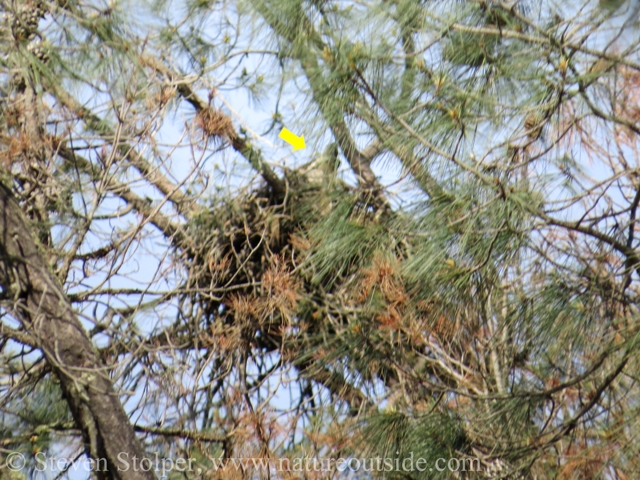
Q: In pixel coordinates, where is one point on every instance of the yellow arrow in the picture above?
(292, 139)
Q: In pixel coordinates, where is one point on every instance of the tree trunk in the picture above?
(35, 297)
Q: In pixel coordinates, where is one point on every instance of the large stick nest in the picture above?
(281, 272)
(247, 254)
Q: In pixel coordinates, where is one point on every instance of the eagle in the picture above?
(324, 168)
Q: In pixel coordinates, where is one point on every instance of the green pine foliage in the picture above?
(31, 417)
(405, 439)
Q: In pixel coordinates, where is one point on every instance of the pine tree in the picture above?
(448, 271)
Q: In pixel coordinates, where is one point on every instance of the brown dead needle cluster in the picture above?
(215, 124)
